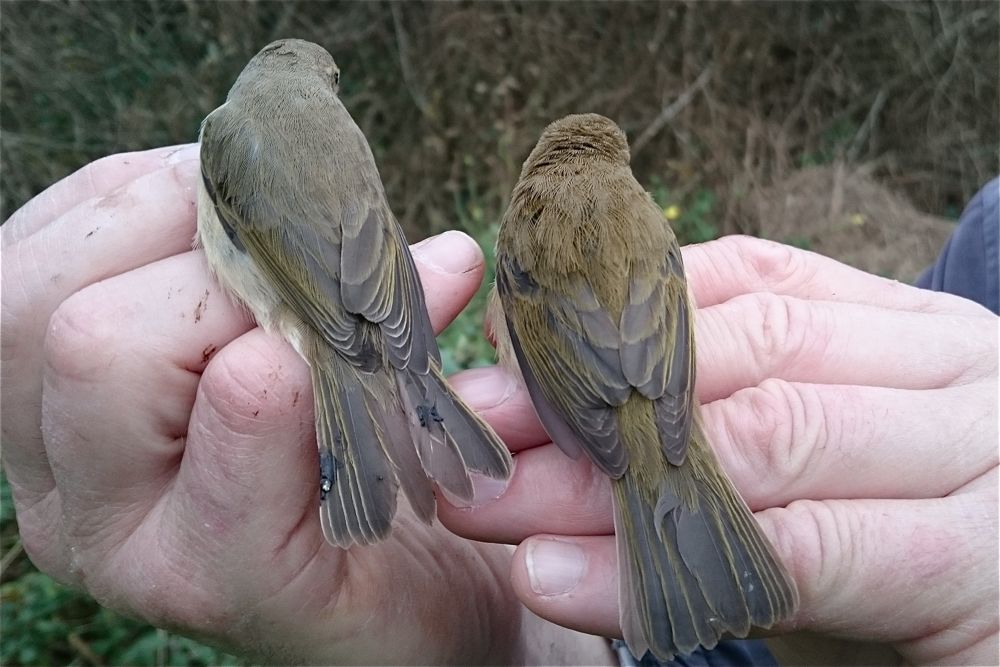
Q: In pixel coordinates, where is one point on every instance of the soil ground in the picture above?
(843, 213)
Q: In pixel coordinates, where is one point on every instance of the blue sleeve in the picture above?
(969, 264)
(728, 653)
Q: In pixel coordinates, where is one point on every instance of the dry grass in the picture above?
(844, 214)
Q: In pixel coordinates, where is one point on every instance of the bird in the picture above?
(295, 225)
(591, 308)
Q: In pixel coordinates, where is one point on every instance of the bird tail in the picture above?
(694, 563)
(390, 431)
(451, 440)
(365, 454)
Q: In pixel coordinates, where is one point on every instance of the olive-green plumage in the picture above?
(294, 222)
(596, 315)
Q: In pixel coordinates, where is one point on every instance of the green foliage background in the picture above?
(453, 95)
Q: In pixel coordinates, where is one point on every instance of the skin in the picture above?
(125, 434)
(596, 317)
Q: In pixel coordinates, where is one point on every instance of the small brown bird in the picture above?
(294, 222)
(596, 315)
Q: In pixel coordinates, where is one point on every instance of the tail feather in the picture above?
(451, 439)
(712, 557)
(695, 566)
(403, 455)
(481, 448)
(382, 433)
(358, 492)
(772, 595)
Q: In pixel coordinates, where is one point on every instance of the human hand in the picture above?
(161, 449)
(858, 418)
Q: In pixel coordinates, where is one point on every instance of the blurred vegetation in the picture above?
(453, 95)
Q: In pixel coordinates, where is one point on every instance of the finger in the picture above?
(148, 334)
(94, 180)
(451, 269)
(570, 581)
(735, 265)
(778, 442)
(123, 362)
(501, 399)
(931, 562)
(781, 441)
(547, 493)
(756, 336)
(244, 484)
(250, 466)
(142, 221)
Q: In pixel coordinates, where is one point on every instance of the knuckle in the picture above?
(790, 451)
(93, 177)
(815, 542)
(183, 179)
(83, 338)
(23, 292)
(753, 425)
(766, 317)
(784, 331)
(249, 383)
(979, 338)
(773, 265)
(776, 427)
(775, 332)
(804, 541)
(589, 494)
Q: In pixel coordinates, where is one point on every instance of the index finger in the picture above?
(720, 270)
(145, 220)
(94, 179)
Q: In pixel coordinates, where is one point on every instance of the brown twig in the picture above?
(83, 648)
(670, 111)
(403, 46)
(10, 557)
(868, 126)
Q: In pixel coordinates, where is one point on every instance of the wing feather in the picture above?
(353, 283)
(580, 365)
(657, 349)
(567, 345)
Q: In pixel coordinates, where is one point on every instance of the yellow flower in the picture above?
(857, 219)
(672, 212)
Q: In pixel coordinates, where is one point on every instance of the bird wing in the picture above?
(342, 267)
(657, 346)
(567, 347)
(579, 364)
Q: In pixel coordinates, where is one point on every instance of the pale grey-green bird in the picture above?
(294, 222)
(596, 317)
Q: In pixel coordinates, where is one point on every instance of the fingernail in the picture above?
(486, 489)
(450, 252)
(484, 388)
(182, 153)
(554, 567)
